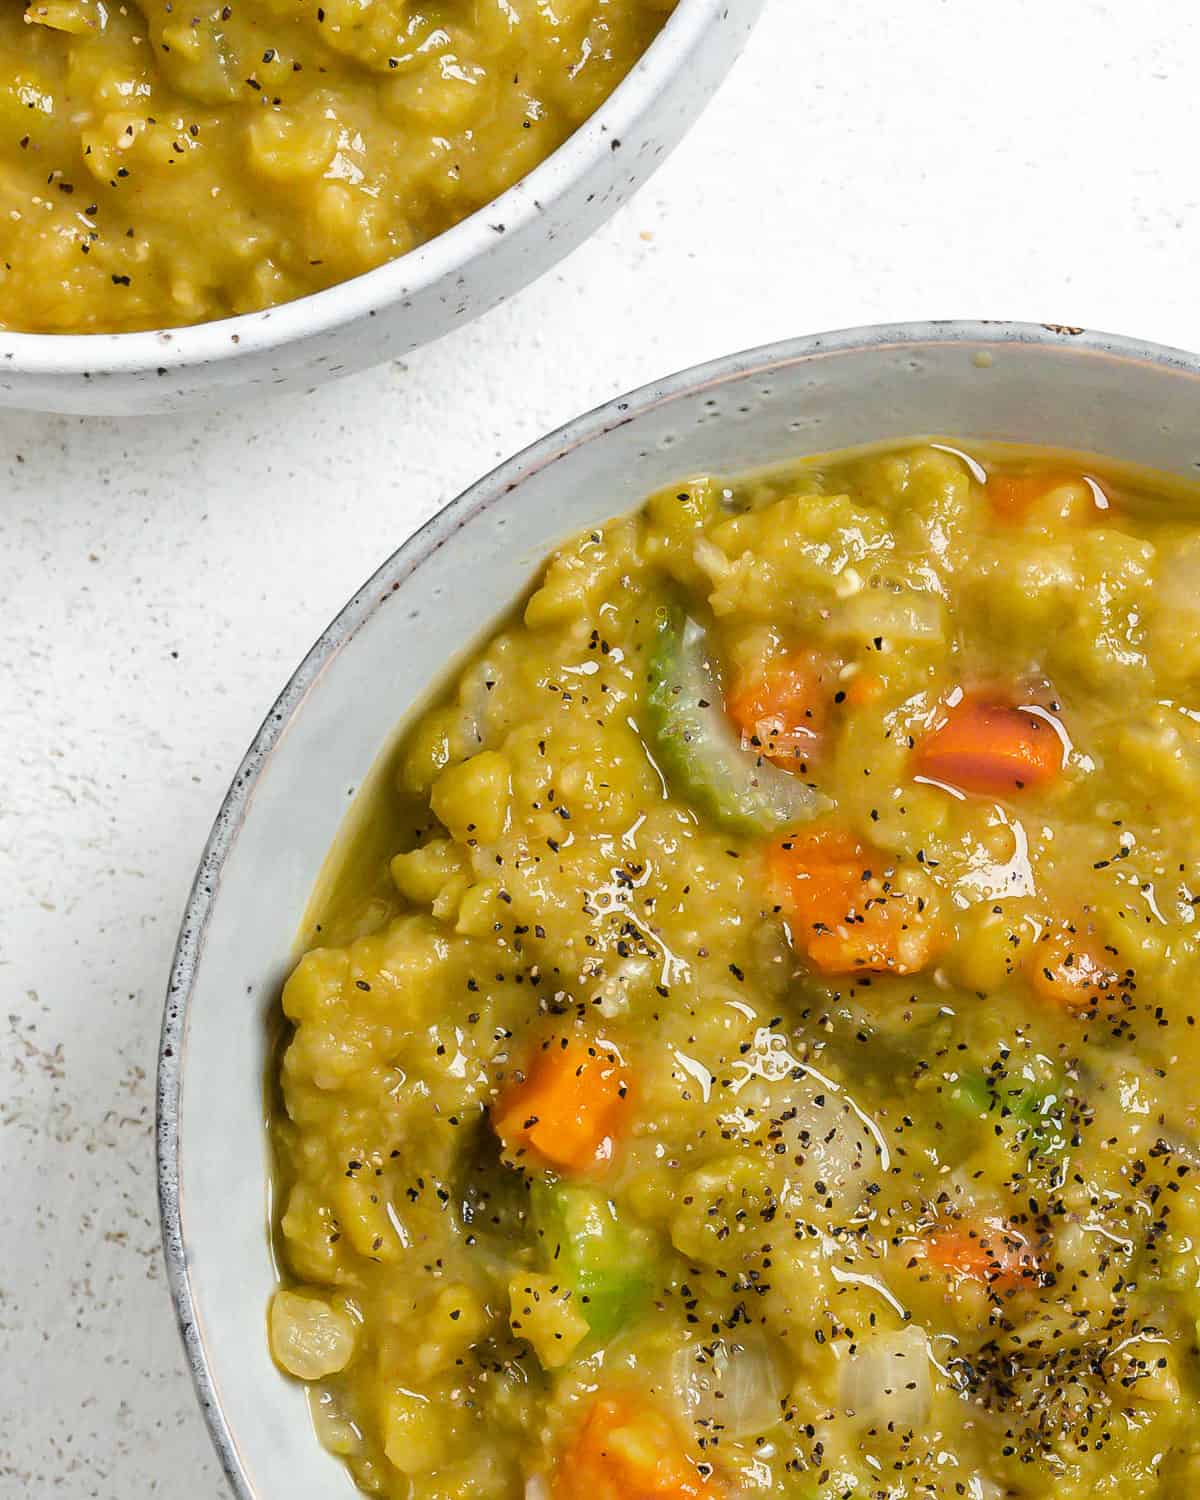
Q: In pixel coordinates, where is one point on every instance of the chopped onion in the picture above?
(1179, 578)
(334, 1428)
(732, 1387)
(476, 726)
(536, 1488)
(833, 1158)
(900, 616)
(820, 1143)
(886, 1383)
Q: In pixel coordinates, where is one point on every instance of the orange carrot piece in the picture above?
(782, 712)
(627, 1449)
(569, 1107)
(864, 688)
(1070, 970)
(990, 749)
(995, 1254)
(1013, 495)
(843, 911)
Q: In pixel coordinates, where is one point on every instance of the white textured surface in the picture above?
(160, 579)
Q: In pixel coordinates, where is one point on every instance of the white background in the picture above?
(159, 579)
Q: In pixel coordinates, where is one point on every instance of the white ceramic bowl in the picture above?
(419, 296)
(431, 601)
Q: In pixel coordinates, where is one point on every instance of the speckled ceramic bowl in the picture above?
(396, 637)
(419, 296)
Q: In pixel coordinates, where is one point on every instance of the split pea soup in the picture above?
(162, 164)
(747, 1045)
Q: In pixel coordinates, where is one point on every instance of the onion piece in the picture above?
(900, 617)
(1179, 578)
(823, 1153)
(886, 1383)
(734, 1386)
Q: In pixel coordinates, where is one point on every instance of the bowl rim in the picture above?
(225, 340)
(494, 488)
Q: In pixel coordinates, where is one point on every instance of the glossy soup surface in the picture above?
(749, 1047)
(163, 164)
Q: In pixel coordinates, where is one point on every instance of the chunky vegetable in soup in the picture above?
(750, 1046)
(165, 165)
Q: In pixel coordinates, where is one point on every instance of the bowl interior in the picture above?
(427, 604)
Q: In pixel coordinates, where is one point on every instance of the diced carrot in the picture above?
(1071, 970)
(845, 912)
(1012, 495)
(781, 712)
(995, 1254)
(569, 1107)
(864, 688)
(990, 749)
(627, 1449)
